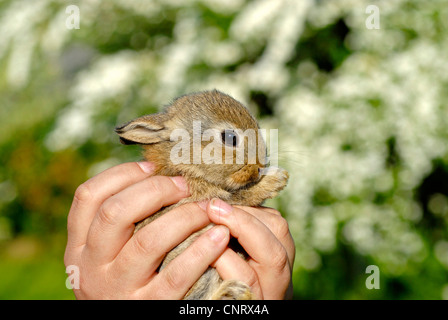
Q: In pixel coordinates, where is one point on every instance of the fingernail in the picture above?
(218, 234)
(146, 167)
(180, 183)
(203, 204)
(220, 207)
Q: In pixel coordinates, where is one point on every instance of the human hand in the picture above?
(115, 264)
(264, 235)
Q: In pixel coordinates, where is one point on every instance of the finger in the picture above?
(251, 233)
(90, 195)
(232, 266)
(144, 252)
(113, 224)
(174, 281)
(267, 255)
(278, 226)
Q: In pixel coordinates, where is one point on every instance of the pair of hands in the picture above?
(115, 264)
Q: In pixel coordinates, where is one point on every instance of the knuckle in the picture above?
(83, 193)
(142, 245)
(83, 197)
(283, 227)
(251, 279)
(155, 185)
(192, 212)
(198, 250)
(280, 261)
(280, 226)
(272, 211)
(110, 211)
(174, 280)
(189, 208)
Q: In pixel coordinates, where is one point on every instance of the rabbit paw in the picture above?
(233, 290)
(273, 181)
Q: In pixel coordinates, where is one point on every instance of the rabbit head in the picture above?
(207, 135)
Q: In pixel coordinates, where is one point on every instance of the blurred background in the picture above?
(362, 115)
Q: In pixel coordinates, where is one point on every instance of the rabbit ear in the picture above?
(144, 130)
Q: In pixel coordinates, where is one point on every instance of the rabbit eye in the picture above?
(229, 138)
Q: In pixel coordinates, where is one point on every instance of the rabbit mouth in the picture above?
(249, 173)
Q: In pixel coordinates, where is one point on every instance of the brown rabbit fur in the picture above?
(237, 184)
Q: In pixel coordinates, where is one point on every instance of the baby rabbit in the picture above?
(212, 169)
